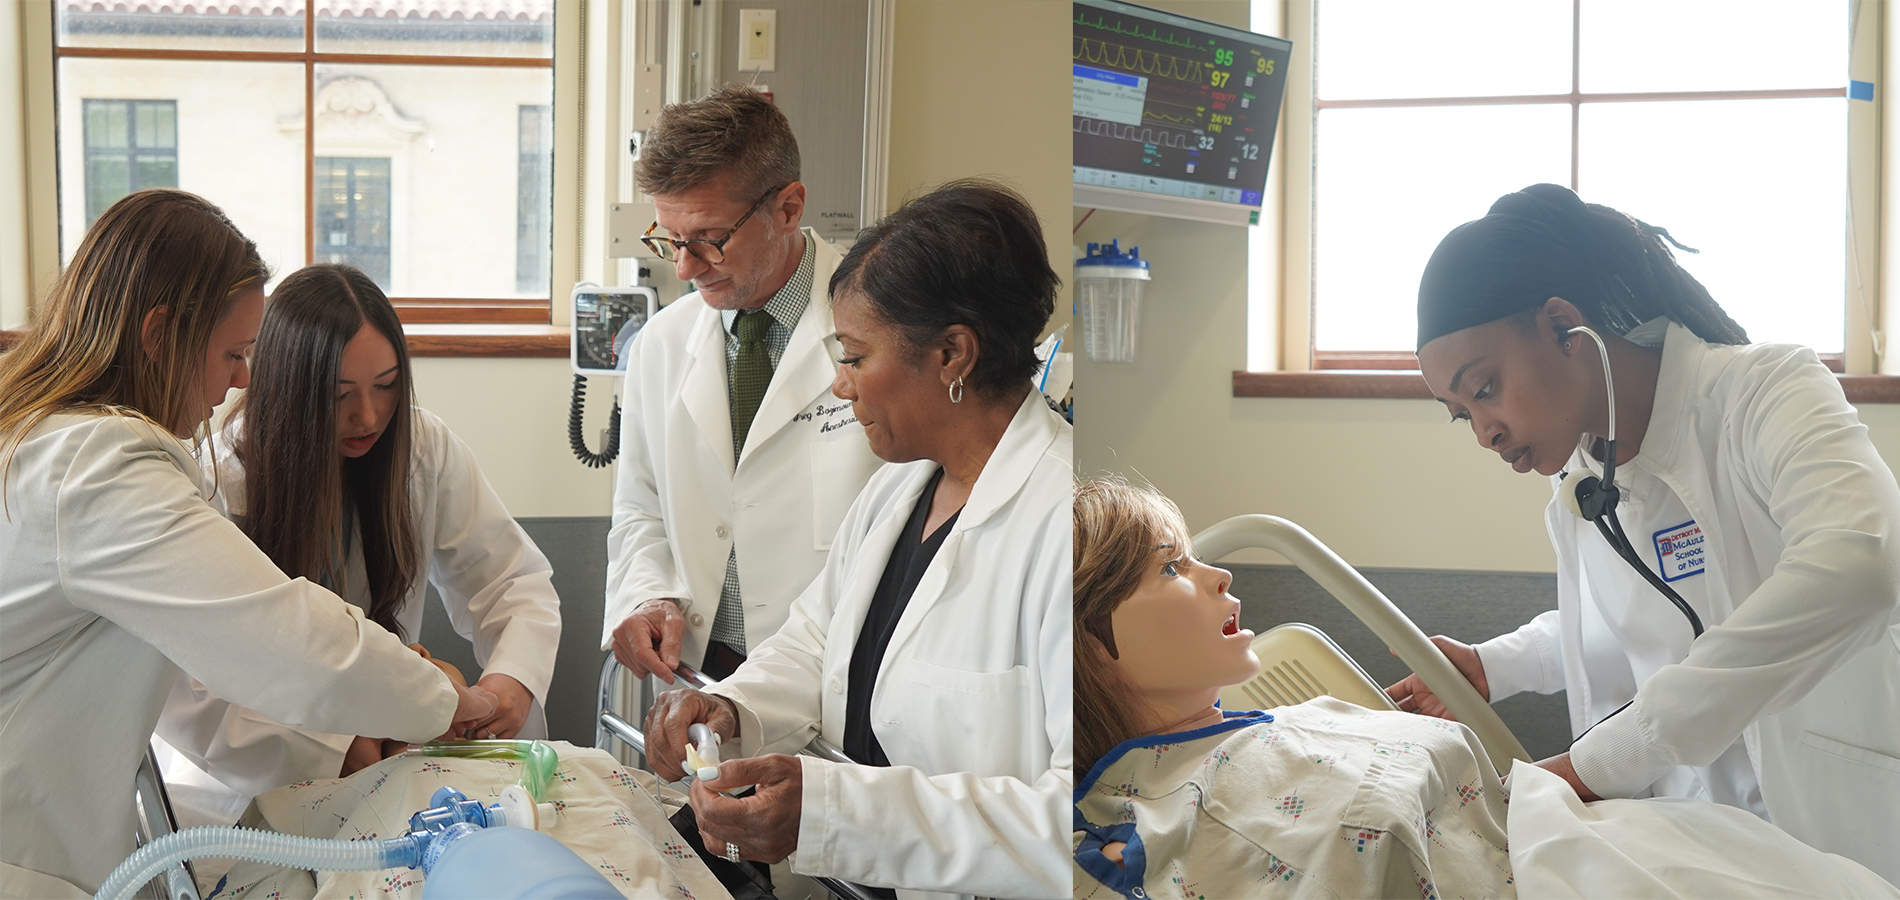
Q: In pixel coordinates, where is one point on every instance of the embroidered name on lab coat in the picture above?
(1679, 551)
(829, 416)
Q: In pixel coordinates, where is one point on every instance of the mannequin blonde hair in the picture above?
(1118, 529)
(157, 249)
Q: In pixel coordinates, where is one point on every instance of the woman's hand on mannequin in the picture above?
(511, 710)
(1412, 695)
(1560, 765)
(763, 826)
(668, 718)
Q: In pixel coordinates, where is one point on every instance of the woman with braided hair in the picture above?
(1732, 480)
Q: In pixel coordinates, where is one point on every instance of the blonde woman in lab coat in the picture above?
(1747, 479)
(934, 645)
(342, 480)
(115, 573)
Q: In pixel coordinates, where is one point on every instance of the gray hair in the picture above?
(734, 131)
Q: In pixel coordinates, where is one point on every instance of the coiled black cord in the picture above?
(575, 432)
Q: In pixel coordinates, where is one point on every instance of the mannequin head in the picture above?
(1156, 633)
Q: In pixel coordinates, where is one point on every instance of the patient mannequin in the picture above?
(1327, 799)
(1321, 799)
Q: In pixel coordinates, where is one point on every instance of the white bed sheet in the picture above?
(613, 817)
(1662, 848)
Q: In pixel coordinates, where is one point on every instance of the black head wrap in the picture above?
(1543, 242)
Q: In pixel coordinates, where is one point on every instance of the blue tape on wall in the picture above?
(1860, 90)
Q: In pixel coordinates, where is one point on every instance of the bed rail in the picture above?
(1384, 618)
(154, 820)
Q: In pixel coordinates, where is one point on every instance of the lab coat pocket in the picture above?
(981, 712)
(1851, 753)
(839, 469)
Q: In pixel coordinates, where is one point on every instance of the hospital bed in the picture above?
(616, 711)
(1299, 662)
(155, 818)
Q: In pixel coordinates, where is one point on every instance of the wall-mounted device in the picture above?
(605, 319)
(1173, 116)
(604, 323)
(758, 40)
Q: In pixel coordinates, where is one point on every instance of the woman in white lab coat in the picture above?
(115, 573)
(1746, 479)
(329, 467)
(934, 645)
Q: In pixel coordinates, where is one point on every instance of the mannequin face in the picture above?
(1179, 634)
(1527, 397)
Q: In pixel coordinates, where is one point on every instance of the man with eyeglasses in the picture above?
(736, 463)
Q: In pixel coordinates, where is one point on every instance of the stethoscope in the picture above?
(1594, 499)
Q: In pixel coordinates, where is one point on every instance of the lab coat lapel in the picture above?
(805, 371)
(1024, 442)
(703, 390)
(873, 556)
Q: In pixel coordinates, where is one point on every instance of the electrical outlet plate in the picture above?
(758, 40)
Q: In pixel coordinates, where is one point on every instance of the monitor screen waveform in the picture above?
(1173, 106)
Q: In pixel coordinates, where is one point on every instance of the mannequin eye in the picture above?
(1172, 568)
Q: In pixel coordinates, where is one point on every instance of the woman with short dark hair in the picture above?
(934, 647)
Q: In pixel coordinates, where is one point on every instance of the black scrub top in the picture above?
(909, 559)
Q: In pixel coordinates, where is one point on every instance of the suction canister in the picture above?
(1108, 288)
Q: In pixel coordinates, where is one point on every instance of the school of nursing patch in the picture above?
(1679, 551)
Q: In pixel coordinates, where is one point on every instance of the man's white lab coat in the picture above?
(1801, 657)
(679, 503)
(972, 703)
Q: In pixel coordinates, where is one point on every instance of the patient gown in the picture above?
(1323, 799)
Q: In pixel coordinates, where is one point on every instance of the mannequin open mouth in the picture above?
(1231, 627)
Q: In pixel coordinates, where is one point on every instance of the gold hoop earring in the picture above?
(956, 390)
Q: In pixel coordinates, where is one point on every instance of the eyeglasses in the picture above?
(711, 251)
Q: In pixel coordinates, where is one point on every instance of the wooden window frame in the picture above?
(1309, 373)
(419, 310)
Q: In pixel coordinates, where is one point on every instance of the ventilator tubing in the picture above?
(257, 846)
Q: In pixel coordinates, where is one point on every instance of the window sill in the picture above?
(538, 341)
(486, 340)
(1387, 384)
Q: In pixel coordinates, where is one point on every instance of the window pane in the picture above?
(1711, 45)
(352, 218)
(182, 25)
(231, 132)
(447, 134)
(1756, 185)
(520, 28)
(1372, 49)
(534, 225)
(1389, 183)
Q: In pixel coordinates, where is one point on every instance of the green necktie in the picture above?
(751, 372)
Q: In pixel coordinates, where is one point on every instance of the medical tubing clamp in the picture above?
(451, 817)
(576, 431)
